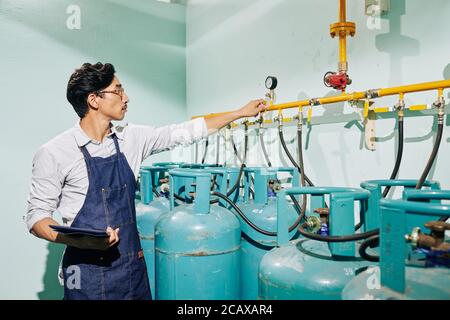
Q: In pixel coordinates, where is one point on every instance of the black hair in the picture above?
(86, 80)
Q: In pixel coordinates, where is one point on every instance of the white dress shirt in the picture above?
(60, 181)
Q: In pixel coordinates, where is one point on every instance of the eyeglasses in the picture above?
(118, 91)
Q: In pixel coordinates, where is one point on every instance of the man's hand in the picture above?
(42, 230)
(93, 243)
(253, 108)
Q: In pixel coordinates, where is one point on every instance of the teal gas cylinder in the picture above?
(148, 210)
(262, 212)
(306, 269)
(197, 244)
(405, 271)
(374, 187)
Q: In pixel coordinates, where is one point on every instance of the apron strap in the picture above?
(88, 157)
(119, 162)
(85, 152)
(116, 144)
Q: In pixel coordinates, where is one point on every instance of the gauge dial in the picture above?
(271, 83)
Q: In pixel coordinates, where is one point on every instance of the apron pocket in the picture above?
(116, 202)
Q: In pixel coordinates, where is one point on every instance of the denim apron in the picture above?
(120, 272)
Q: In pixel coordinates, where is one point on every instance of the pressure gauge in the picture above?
(271, 83)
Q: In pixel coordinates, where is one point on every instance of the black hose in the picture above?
(346, 238)
(286, 150)
(235, 150)
(263, 147)
(213, 182)
(241, 170)
(398, 159)
(301, 164)
(155, 191)
(206, 150)
(301, 213)
(243, 216)
(358, 226)
(374, 241)
(244, 159)
(176, 196)
(218, 150)
(371, 242)
(432, 156)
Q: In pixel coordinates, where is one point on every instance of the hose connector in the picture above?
(439, 104)
(260, 120)
(279, 119)
(414, 237)
(299, 118)
(400, 108)
(245, 123)
(313, 224)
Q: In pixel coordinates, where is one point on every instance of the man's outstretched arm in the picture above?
(154, 140)
(251, 109)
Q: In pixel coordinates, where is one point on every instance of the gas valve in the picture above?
(337, 80)
(324, 214)
(274, 188)
(164, 187)
(165, 190)
(437, 251)
(434, 241)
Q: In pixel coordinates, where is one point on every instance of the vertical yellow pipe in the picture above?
(342, 52)
(342, 11)
(342, 38)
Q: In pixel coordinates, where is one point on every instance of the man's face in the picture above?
(112, 101)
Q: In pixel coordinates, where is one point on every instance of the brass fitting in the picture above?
(434, 241)
(439, 104)
(342, 29)
(313, 224)
(400, 108)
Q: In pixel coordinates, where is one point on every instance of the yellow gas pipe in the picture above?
(342, 29)
(372, 94)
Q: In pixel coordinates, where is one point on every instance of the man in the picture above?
(88, 174)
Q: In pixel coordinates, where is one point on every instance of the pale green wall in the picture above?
(145, 40)
(232, 45)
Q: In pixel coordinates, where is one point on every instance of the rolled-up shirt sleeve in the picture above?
(46, 186)
(158, 139)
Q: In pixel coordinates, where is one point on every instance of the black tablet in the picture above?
(80, 231)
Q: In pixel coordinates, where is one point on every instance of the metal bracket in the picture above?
(369, 124)
(369, 131)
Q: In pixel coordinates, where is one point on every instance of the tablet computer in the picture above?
(80, 231)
